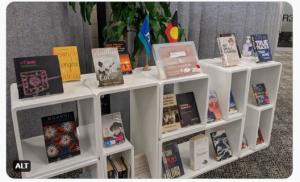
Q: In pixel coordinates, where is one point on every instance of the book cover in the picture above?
(228, 51)
(60, 133)
(107, 66)
(38, 76)
(111, 170)
(123, 53)
(214, 113)
(118, 168)
(113, 131)
(221, 145)
(141, 167)
(260, 94)
(188, 109)
(171, 161)
(245, 145)
(260, 138)
(232, 105)
(171, 117)
(123, 168)
(232, 35)
(199, 152)
(68, 62)
(261, 47)
(128, 167)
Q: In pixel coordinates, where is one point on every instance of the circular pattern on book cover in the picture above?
(67, 126)
(50, 132)
(52, 150)
(65, 140)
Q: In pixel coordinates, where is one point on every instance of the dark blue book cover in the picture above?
(60, 135)
(171, 161)
(221, 145)
(260, 94)
(261, 47)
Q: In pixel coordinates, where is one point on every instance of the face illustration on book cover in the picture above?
(221, 145)
(60, 133)
(107, 66)
(214, 113)
(232, 35)
(228, 51)
(261, 46)
(260, 94)
(38, 76)
(171, 161)
(113, 132)
(171, 117)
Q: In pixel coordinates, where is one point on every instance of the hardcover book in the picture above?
(261, 47)
(124, 55)
(60, 135)
(221, 145)
(232, 105)
(68, 62)
(232, 35)
(260, 138)
(260, 94)
(171, 117)
(118, 168)
(214, 113)
(188, 109)
(107, 66)
(141, 167)
(228, 51)
(123, 168)
(245, 145)
(113, 131)
(111, 171)
(171, 161)
(128, 167)
(199, 152)
(38, 76)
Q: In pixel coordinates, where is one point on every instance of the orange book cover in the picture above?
(125, 63)
(68, 62)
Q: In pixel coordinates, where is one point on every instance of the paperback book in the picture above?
(260, 138)
(171, 161)
(68, 62)
(260, 94)
(221, 145)
(37, 76)
(113, 131)
(171, 117)
(60, 134)
(199, 152)
(111, 171)
(245, 145)
(261, 47)
(107, 66)
(232, 35)
(127, 166)
(214, 113)
(232, 105)
(141, 167)
(228, 51)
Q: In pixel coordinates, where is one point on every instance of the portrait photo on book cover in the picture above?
(114, 134)
(171, 115)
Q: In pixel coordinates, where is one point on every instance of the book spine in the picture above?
(192, 154)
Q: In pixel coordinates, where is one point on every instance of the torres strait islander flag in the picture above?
(172, 29)
(144, 35)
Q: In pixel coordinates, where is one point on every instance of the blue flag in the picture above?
(144, 35)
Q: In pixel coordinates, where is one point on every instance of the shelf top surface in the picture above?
(260, 108)
(153, 74)
(70, 94)
(131, 82)
(246, 62)
(217, 63)
(117, 148)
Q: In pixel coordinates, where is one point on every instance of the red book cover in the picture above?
(260, 138)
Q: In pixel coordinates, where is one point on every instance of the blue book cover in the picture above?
(261, 47)
(221, 145)
(232, 105)
(171, 161)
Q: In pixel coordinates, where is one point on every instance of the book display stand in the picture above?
(146, 111)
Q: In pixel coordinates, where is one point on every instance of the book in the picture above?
(245, 145)
(86, 175)
(111, 170)
(38, 76)
(141, 167)
(214, 113)
(261, 47)
(107, 66)
(199, 152)
(123, 53)
(260, 94)
(171, 161)
(128, 167)
(232, 35)
(228, 51)
(123, 168)
(68, 62)
(221, 145)
(60, 134)
(75, 174)
(260, 138)
(232, 105)
(113, 131)
(171, 117)
(188, 109)
(117, 167)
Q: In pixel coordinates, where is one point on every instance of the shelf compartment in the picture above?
(247, 152)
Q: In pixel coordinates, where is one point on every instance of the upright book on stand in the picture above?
(228, 51)
(221, 145)
(171, 161)
(261, 47)
(38, 76)
(232, 105)
(260, 94)
(171, 117)
(214, 113)
(232, 35)
(199, 152)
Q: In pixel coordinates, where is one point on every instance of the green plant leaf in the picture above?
(156, 29)
(130, 16)
(73, 5)
(166, 7)
(180, 33)
(82, 10)
(151, 6)
(88, 10)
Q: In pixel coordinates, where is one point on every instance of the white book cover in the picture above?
(199, 152)
(228, 51)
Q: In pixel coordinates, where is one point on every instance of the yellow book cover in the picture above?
(68, 62)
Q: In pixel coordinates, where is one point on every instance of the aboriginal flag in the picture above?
(172, 29)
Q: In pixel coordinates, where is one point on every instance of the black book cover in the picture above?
(260, 94)
(188, 109)
(38, 76)
(232, 34)
(171, 161)
(261, 46)
(60, 136)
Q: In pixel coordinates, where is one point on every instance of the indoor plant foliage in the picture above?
(86, 9)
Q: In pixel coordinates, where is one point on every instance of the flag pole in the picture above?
(147, 67)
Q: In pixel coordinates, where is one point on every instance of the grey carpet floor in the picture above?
(276, 161)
